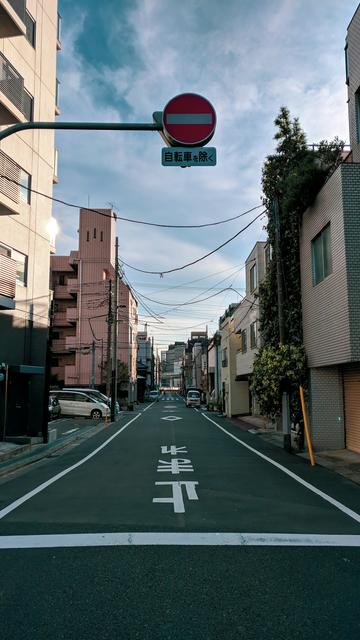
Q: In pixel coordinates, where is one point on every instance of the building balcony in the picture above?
(56, 160)
(70, 343)
(12, 18)
(58, 32)
(16, 104)
(70, 376)
(61, 292)
(72, 286)
(71, 315)
(7, 282)
(58, 346)
(9, 185)
(60, 319)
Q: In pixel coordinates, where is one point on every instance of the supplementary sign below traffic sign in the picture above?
(189, 120)
(185, 157)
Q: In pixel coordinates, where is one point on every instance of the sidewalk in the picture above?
(342, 461)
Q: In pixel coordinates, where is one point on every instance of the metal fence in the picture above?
(12, 85)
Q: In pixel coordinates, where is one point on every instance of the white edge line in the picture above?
(178, 538)
(150, 405)
(14, 505)
(349, 512)
(71, 431)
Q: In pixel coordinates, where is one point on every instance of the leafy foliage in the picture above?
(293, 176)
(277, 369)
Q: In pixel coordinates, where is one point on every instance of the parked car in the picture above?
(154, 396)
(54, 409)
(76, 403)
(96, 394)
(193, 399)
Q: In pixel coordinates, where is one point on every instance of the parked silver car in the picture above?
(96, 394)
(76, 403)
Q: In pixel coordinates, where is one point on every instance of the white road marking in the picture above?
(139, 538)
(177, 495)
(338, 505)
(150, 405)
(171, 418)
(175, 466)
(173, 450)
(71, 431)
(17, 503)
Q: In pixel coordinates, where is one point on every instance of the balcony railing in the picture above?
(7, 276)
(12, 170)
(12, 86)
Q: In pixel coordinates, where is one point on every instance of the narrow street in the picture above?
(178, 525)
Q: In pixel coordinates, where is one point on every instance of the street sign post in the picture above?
(188, 157)
(189, 120)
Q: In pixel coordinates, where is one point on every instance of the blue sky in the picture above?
(122, 60)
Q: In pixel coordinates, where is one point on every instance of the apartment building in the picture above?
(235, 393)
(171, 374)
(246, 317)
(29, 41)
(330, 282)
(83, 283)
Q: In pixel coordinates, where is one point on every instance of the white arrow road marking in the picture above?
(171, 418)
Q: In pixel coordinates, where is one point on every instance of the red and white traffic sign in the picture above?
(189, 120)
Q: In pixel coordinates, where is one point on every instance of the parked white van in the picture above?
(77, 403)
(96, 394)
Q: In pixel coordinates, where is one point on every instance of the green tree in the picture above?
(294, 174)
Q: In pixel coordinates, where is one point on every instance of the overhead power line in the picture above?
(190, 264)
(118, 217)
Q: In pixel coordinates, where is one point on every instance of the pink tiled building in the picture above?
(81, 284)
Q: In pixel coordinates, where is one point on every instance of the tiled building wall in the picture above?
(326, 410)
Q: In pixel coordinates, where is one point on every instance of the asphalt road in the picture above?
(179, 525)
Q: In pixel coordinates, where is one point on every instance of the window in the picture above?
(346, 65)
(55, 335)
(61, 279)
(54, 362)
(268, 256)
(253, 335)
(94, 233)
(57, 91)
(253, 278)
(224, 358)
(21, 263)
(30, 29)
(243, 341)
(58, 29)
(87, 236)
(101, 236)
(321, 255)
(25, 186)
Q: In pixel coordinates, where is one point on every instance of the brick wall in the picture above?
(326, 411)
(351, 207)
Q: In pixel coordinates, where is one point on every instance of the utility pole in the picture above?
(93, 364)
(108, 346)
(115, 333)
(280, 297)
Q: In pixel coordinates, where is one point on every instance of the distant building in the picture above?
(81, 285)
(246, 317)
(29, 41)
(145, 363)
(235, 393)
(171, 373)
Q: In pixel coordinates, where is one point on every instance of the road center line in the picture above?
(51, 541)
(349, 512)
(14, 505)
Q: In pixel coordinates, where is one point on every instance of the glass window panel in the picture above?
(318, 262)
(25, 186)
(326, 236)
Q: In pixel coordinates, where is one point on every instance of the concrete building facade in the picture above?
(82, 283)
(29, 41)
(246, 317)
(235, 393)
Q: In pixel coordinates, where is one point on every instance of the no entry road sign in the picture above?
(189, 120)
